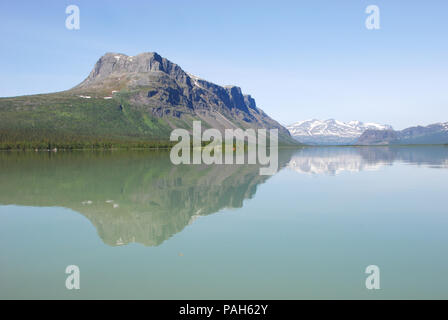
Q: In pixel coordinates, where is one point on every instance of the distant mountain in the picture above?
(433, 134)
(126, 99)
(331, 132)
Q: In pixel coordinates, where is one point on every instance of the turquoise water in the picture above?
(139, 227)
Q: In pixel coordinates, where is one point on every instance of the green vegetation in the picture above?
(67, 121)
(86, 120)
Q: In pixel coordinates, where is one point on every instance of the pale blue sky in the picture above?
(298, 59)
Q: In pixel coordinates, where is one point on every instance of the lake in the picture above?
(139, 227)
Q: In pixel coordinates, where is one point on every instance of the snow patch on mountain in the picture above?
(331, 132)
(445, 126)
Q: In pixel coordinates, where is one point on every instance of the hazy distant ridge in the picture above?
(436, 133)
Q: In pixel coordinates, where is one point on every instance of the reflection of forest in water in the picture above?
(136, 196)
(139, 196)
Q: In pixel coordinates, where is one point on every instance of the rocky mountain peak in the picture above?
(115, 66)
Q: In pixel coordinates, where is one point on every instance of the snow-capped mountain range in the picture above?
(331, 132)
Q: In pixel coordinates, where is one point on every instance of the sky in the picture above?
(300, 60)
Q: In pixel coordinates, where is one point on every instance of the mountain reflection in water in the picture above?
(135, 196)
(139, 196)
(334, 160)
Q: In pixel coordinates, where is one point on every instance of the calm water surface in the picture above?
(139, 227)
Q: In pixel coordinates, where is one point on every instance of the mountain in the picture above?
(433, 134)
(128, 100)
(331, 132)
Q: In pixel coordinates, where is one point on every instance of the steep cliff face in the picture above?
(133, 71)
(164, 90)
